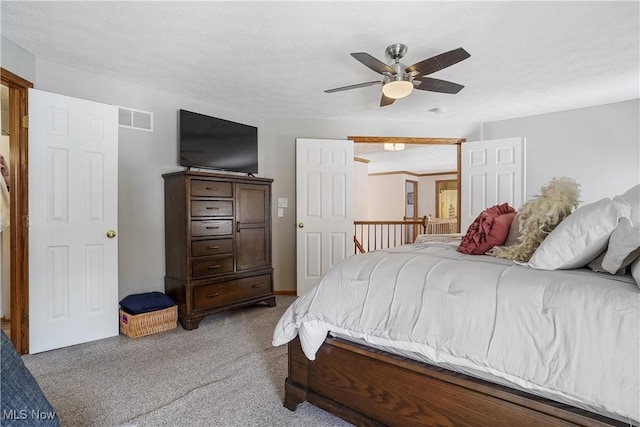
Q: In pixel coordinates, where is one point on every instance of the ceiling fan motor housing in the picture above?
(396, 51)
(399, 76)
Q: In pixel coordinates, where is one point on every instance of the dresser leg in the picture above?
(271, 302)
(190, 323)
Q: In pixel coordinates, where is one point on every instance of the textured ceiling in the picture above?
(417, 158)
(275, 59)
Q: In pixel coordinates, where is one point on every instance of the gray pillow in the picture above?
(596, 264)
(22, 401)
(513, 238)
(625, 239)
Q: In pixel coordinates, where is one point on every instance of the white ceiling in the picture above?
(417, 158)
(275, 59)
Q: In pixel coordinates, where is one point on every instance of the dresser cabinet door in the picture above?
(253, 226)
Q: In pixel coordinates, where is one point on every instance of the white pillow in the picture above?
(626, 237)
(580, 237)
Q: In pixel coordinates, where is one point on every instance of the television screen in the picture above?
(210, 142)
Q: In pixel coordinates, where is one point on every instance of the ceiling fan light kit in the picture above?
(397, 89)
(400, 80)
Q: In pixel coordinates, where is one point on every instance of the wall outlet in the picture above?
(283, 202)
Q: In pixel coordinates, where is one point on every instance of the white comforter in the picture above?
(569, 335)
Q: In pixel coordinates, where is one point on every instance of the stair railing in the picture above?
(375, 235)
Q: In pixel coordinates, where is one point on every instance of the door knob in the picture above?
(301, 225)
(111, 234)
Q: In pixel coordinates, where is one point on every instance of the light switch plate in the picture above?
(283, 202)
(280, 212)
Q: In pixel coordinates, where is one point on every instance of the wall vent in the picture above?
(135, 119)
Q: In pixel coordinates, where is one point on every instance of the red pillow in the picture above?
(489, 229)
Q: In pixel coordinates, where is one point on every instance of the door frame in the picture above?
(417, 140)
(414, 201)
(18, 196)
(438, 182)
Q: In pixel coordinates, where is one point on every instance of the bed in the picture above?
(423, 334)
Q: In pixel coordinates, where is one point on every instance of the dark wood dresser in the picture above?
(217, 243)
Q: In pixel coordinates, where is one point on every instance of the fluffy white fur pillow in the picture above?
(539, 216)
(625, 239)
(581, 236)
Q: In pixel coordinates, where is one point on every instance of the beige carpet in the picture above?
(225, 373)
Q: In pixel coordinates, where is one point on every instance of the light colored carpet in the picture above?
(225, 373)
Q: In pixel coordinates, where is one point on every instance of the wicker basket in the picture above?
(140, 325)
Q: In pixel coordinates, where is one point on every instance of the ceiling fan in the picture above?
(400, 80)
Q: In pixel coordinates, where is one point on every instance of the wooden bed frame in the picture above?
(369, 387)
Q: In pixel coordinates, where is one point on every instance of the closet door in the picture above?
(73, 214)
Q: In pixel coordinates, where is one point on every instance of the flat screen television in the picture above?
(213, 143)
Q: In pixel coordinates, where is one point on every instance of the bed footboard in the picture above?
(370, 387)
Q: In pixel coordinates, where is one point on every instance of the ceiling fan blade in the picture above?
(385, 100)
(438, 62)
(356, 86)
(436, 85)
(373, 63)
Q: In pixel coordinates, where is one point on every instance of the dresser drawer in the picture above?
(211, 247)
(211, 266)
(221, 227)
(210, 189)
(211, 208)
(228, 292)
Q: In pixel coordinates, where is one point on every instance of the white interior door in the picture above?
(73, 203)
(324, 207)
(493, 172)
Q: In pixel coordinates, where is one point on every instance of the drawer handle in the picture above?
(213, 228)
(257, 285)
(212, 188)
(212, 295)
(213, 267)
(213, 208)
(213, 247)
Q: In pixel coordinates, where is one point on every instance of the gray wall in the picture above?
(17, 60)
(599, 147)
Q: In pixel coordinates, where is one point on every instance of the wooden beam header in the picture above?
(405, 140)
